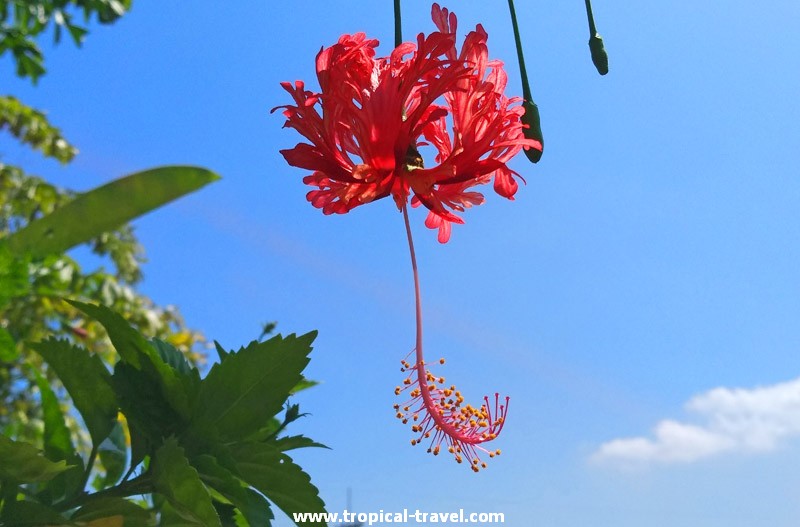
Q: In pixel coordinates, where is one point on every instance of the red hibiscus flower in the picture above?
(367, 124)
(365, 129)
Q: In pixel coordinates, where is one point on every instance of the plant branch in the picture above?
(398, 24)
(138, 485)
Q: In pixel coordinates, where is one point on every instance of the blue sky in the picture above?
(638, 301)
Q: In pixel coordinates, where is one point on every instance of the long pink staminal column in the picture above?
(437, 413)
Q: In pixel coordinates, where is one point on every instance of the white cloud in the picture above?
(728, 420)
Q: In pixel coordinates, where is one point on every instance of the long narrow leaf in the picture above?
(106, 208)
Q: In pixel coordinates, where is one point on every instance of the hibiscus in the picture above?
(366, 131)
(366, 126)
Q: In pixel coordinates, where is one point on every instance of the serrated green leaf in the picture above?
(291, 442)
(99, 508)
(304, 384)
(275, 475)
(241, 394)
(226, 513)
(140, 353)
(252, 505)
(220, 351)
(106, 208)
(150, 417)
(128, 342)
(179, 483)
(87, 381)
(189, 375)
(30, 514)
(23, 463)
(172, 356)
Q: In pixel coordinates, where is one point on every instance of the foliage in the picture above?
(31, 127)
(202, 451)
(21, 21)
(34, 311)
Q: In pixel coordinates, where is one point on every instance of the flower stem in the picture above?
(531, 116)
(398, 25)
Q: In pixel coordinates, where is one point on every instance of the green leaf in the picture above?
(189, 376)
(169, 517)
(113, 454)
(30, 514)
(252, 505)
(304, 384)
(106, 208)
(241, 394)
(172, 357)
(13, 276)
(180, 484)
(226, 513)
(58, 446)
(99, 508)
(140, 444)
(23, 463)
(32, 127)
(8, 348)
(77, 33)
(139, 353)
(150, 417)
(88, 382)
(221, 351)
(275, 475)
(292, 442)
(57, 440)
(275, 427)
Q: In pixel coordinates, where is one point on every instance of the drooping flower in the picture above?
(366, 126)
(367, 130)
